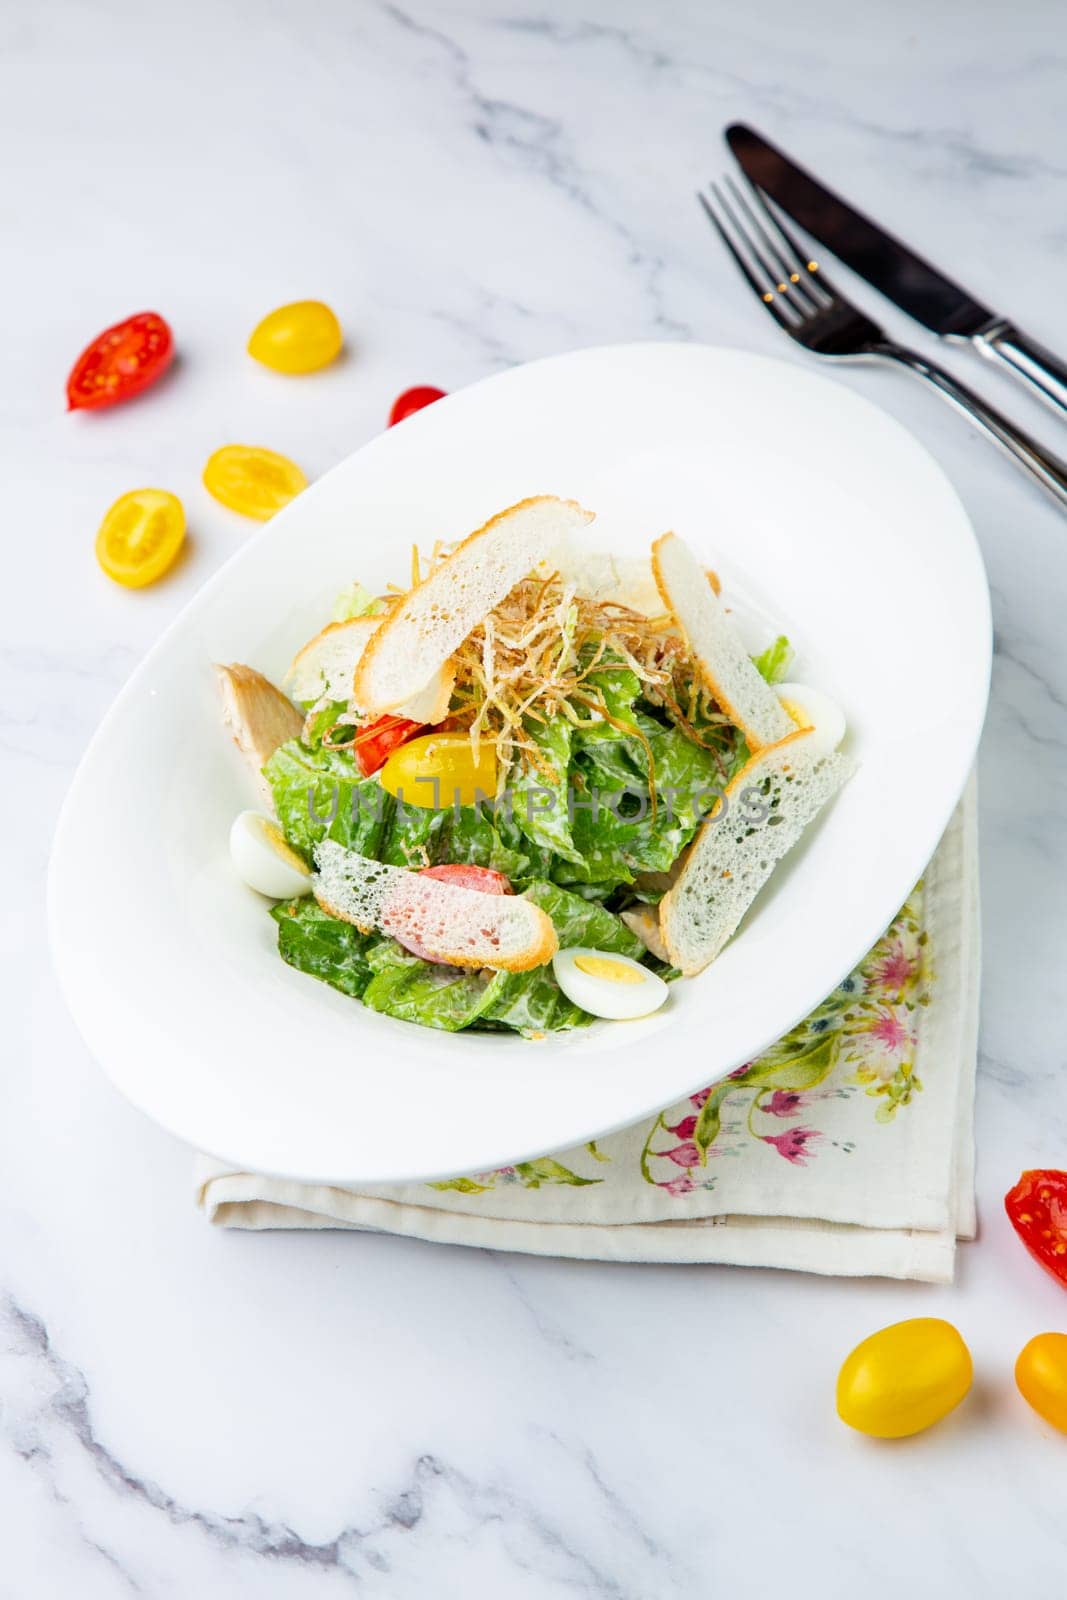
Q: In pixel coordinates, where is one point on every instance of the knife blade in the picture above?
(893, 268)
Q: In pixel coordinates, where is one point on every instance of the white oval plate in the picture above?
(809, 501)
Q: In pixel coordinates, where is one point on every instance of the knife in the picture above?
(891, 267)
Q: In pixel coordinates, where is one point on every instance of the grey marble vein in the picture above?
(372, 1544)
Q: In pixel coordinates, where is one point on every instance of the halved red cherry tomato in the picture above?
(413, 400)
(120, 362)
(1037, 1207)
(373, 744)
(461, 876)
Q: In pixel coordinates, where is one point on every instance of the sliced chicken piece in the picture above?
(258, 715)
(644, 921)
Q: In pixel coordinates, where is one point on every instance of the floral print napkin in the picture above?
(846, 1148)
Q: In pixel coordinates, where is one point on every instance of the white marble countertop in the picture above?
(472, 184)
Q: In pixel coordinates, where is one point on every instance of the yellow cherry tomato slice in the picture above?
(140, 537)
(904, 1378)
(439, 770)
(255, 482)
(1041, 1377)
(301, 337)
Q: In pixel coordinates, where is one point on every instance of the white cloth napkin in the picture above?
(847, 1148)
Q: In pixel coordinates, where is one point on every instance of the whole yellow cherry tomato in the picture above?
(301, 337)
(255, 482)
(140, 536)
(440, 769)
(1041, 1376)
(904, 1378)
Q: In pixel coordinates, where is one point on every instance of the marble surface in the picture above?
(471, 185)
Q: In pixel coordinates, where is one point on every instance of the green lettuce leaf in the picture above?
(533, 1002)
(355, 601)
(549, 829)
(420, 837)
(314, 942)
(320, 794)
(624, 838)
(583, 922)
(774, 662)
(413, 990)
(317, 726)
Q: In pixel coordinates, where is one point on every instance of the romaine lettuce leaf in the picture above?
(319, 794)
(618, 688)
(533, 1002)
(583, 922)
(413, 990)
(327, 948)
(420, 837)
(355, 601)
(623, 837)
(549, 828)
(774, 662)
(318, 725)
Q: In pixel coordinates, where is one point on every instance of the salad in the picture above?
(528, 787)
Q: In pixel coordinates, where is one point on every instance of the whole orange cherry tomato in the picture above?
(1041, 1377)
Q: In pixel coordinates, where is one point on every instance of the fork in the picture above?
(807, 307)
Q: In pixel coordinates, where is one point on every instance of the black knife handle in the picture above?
(1043, 371)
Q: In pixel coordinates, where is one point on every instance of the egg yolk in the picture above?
(276, 839)
(799, 717)
(604, 967)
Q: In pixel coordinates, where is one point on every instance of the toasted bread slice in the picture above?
(419, 635)
(724, 663)
(325, 669)
(463, 927)
(735, 851)
(258, 715)
(644, 922)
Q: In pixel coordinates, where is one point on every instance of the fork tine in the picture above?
(796, 264)
(768, 296)
(767, 266)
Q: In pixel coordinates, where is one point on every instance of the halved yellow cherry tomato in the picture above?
(439, 770)
(140, 536)
(904, 1378)
(255, 482)
(1041, 1376)
(301, 337)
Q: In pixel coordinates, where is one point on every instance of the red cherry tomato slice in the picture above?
(461, 876)
(374, 744)
(413, 400)
(120, 362)
(1037, 1207)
